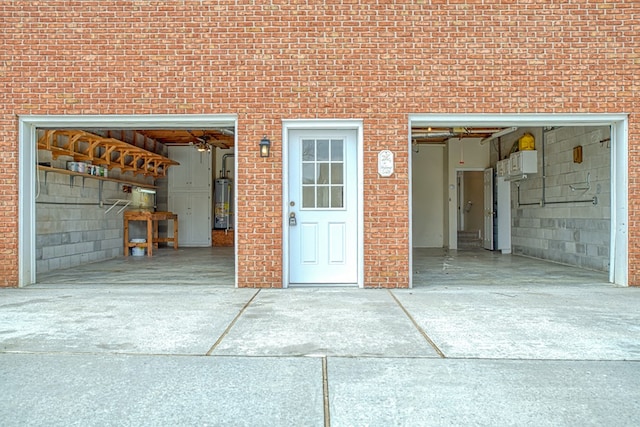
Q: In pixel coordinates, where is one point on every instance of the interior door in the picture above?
(322, 207)
(488, 209)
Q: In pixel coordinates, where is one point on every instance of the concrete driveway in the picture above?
(175, 354)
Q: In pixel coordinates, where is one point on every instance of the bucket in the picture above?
(135, 251)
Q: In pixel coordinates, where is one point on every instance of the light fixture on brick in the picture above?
(265, 147)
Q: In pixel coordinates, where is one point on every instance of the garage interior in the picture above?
(496, 196)
(89, 179)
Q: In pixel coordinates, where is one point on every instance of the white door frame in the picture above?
(488, 214)
(27, 126)
(320, 124)
(619, 256)
(459, 198)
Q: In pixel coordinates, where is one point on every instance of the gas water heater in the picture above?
(222, 204)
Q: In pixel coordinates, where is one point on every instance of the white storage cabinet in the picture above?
(190, 192)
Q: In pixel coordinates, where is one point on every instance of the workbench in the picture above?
(152, 219)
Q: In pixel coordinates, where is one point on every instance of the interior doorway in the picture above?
(470, 209)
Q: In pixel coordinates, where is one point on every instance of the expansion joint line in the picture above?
(422, 332)
(233, 322)
(325, 393)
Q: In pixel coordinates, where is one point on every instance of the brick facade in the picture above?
(268, 61)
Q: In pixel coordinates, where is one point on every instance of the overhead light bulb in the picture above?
(146, 190)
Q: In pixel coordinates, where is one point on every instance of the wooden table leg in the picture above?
(149, 237)
(155, 234)
(126, 237)
(175, 232)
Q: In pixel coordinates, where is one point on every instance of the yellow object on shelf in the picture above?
(526, 142)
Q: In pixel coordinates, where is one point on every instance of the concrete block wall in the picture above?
(570, 233)
(75, 230)
(71, 227)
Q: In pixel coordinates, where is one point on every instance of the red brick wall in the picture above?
(283, 59)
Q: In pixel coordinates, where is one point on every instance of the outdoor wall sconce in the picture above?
(265, 147)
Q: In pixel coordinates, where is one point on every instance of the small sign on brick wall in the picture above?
(385, 163)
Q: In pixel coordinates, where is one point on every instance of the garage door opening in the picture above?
(96, 190)
(554, 188)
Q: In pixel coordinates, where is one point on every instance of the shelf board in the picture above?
(100, 178)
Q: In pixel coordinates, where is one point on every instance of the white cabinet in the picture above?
(518, 165)
(523, 162)
(194, 216)
(190, 192)
(194, 171)
(502, 168)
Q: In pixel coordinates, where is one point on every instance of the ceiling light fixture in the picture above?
(202, 143)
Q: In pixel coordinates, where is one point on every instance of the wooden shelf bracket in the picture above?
(108, 152)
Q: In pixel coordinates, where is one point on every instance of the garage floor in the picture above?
(431, 267)
(193, 266)
(480, 267)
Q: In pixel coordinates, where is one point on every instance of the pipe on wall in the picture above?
(223, 173)
(543, 201)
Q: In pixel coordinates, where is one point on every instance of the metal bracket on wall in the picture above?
(116, 202)
(586, 186)
(72, 180)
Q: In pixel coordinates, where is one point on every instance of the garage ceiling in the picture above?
(439, 135)
(220, 138)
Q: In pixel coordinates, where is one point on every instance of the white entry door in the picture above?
(488, 209)
(323, 207)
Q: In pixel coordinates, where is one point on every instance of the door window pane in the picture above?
(323, 173)
(336, 173)
(308, 150)
(323, 197)
(308, 197)
(337, 200)
(323, 150)
(308, 173)
(337, 151)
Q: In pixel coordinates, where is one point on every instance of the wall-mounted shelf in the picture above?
(108, 152)
(73, 174)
